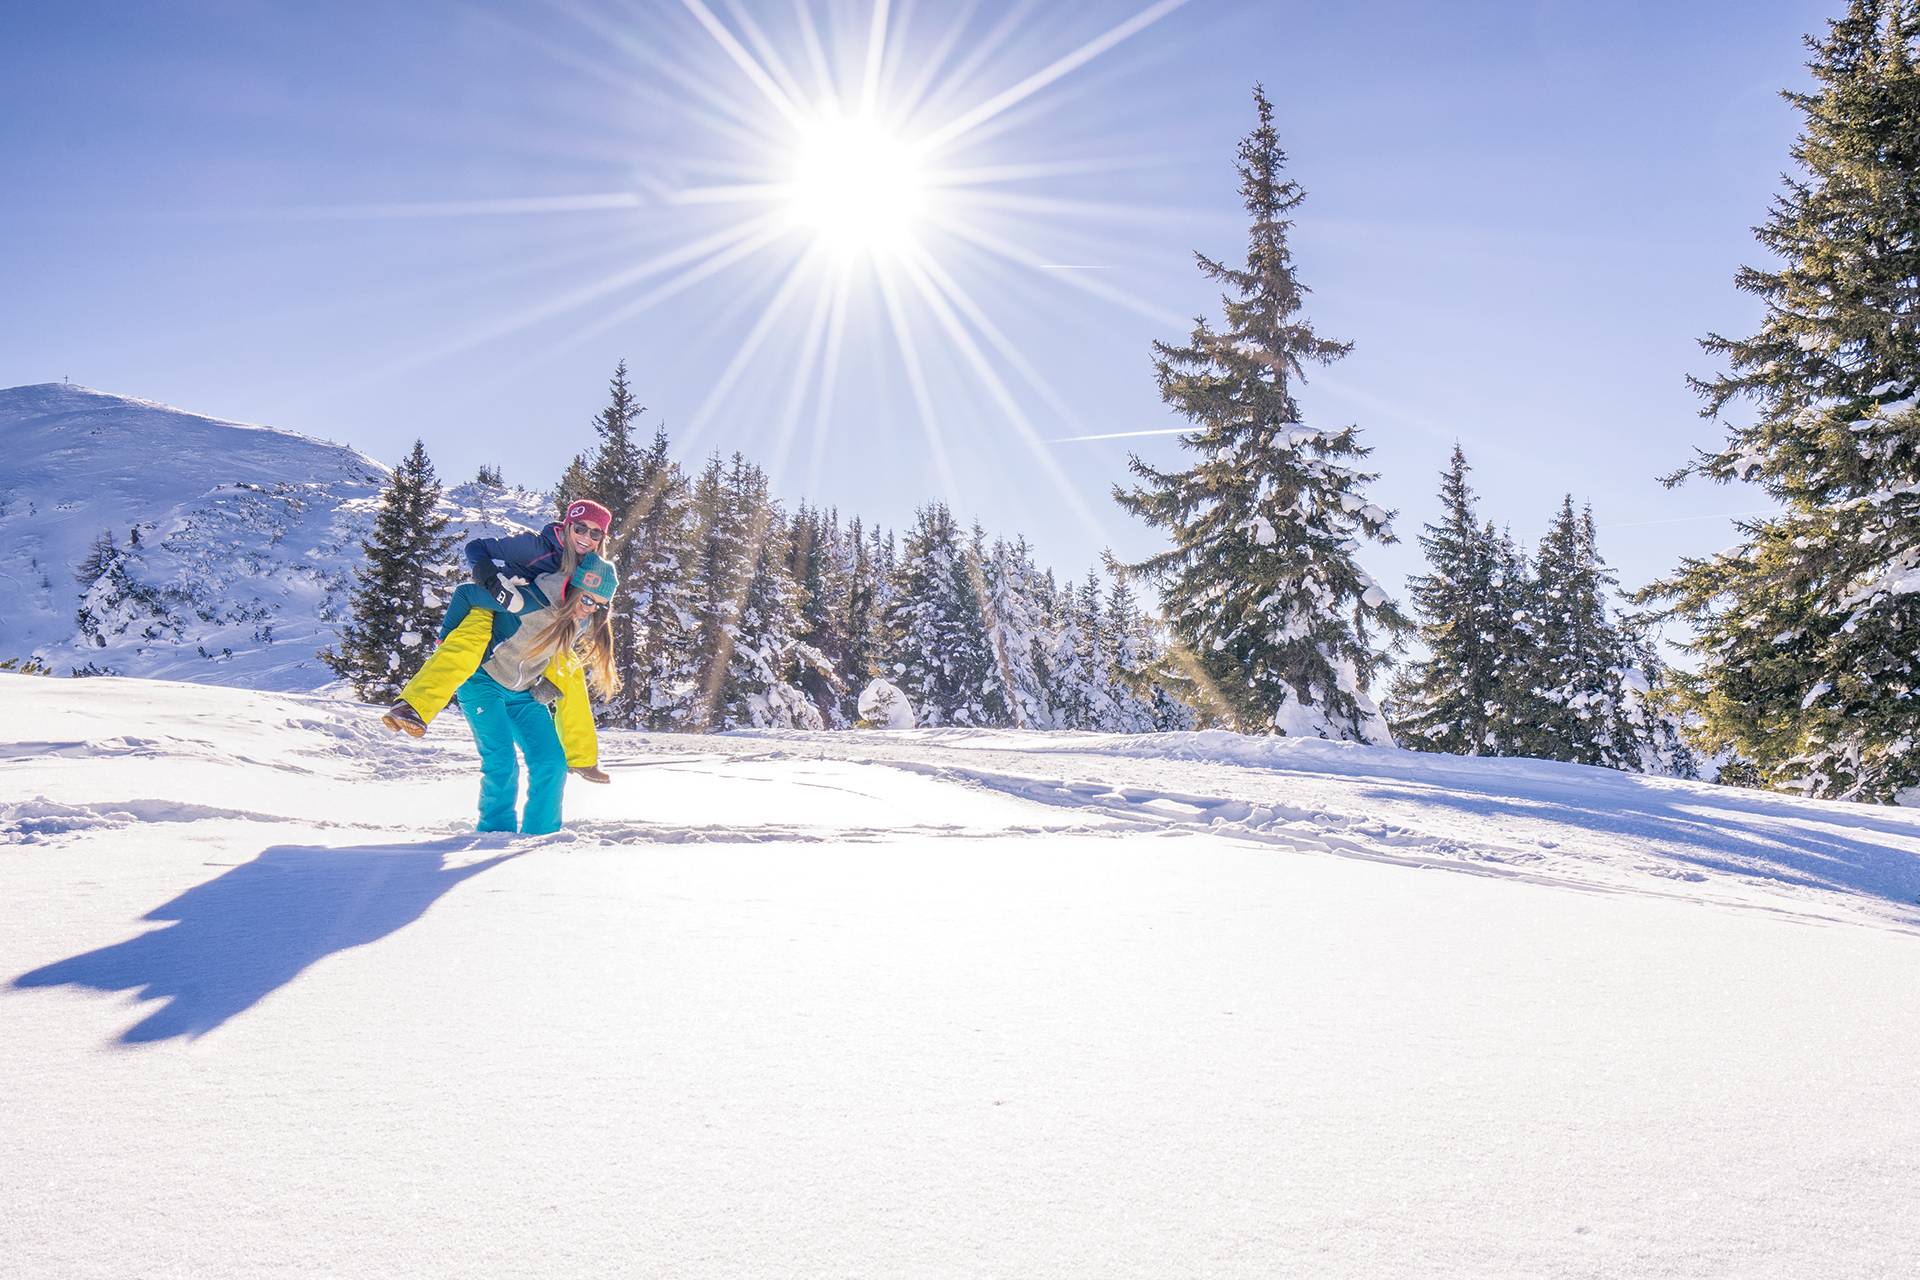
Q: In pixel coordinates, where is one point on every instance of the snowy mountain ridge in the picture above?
(141, 539)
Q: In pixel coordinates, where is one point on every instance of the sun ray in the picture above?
(1008, 349)
(930, 65)
(767, 55)
(587, 202)
(997, 389)
(830, 374)
(876, 54)
(805, 366)
(760, 526)
(730, 193)
(719, 243)
(978, 175)
(989, 44)
(574, 253)
(749, 347)
(745, 61)
(1157, 215)
(741, 249)
(1086, 284)
(961, 125)
(529, 36)
(816, 52)
(724, 115)
(922, 399)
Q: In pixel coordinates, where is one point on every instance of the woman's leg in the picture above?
(546, 763)
(458, 655)
(485, 705)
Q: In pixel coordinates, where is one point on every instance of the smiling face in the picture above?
(581, 606)
(583, 537)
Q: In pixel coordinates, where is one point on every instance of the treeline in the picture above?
(1530, 656)
(1805, 633)
(736, 612)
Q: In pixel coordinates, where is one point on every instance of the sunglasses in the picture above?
(591, 532)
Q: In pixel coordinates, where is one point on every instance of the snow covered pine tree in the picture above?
(1261, 586)
(1449, 702)
(1808, 631)
(402, 586)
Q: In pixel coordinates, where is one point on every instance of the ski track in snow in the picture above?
(1528, 820)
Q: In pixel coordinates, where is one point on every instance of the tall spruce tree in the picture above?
(402, 586)
(1261, 585)
(614, 475)
(1448, 701)
(1806, 629)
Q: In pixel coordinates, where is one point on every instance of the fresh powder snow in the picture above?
(932, 1003)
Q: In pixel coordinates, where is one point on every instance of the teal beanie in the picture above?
(595, 577)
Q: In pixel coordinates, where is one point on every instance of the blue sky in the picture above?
(366, 222)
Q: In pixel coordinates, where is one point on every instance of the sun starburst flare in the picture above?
(843, 187)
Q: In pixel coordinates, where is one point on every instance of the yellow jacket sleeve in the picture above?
(449, 666)
(573, 714)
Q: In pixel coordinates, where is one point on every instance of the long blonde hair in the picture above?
(593, 645)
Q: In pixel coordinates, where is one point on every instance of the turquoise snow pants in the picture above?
(502, 720)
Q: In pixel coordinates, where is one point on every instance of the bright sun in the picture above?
(856, 186)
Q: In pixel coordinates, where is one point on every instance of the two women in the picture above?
(529, 634)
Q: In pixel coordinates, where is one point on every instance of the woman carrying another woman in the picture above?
(508, 667)
(501, 566)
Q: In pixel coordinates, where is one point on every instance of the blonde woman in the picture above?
(548, 655)
(501, 566)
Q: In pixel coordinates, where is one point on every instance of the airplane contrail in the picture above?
(1124, 435)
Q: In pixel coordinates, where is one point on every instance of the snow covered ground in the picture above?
(934, 1003)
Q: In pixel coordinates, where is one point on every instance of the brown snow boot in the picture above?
(402, 718)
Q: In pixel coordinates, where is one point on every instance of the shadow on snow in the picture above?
(1738, 833)
(236, 939)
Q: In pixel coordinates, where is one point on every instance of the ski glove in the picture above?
(545, 692)
(503, 590)
(591, 774)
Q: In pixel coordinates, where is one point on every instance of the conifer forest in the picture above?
(1790, 660)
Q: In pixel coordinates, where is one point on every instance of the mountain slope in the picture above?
(933, 1003)
(232, 545)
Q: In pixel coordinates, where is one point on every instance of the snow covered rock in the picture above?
(883, 705)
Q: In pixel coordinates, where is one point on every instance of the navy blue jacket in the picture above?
(526, 555)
